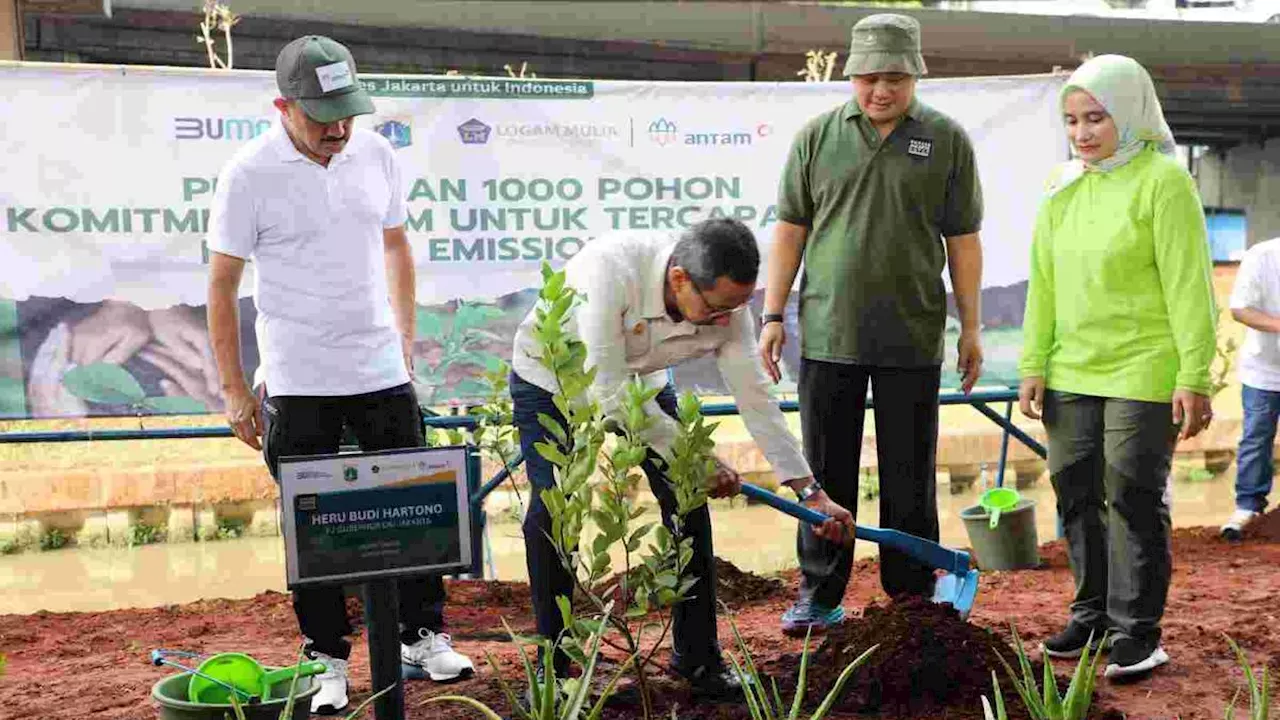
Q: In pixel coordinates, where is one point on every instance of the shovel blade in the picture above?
(957, 590)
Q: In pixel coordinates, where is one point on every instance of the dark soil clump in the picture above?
(927, 658)
(739, 587)
(1265, 527)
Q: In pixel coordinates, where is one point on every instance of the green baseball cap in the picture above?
(320, 74)
(885, 42)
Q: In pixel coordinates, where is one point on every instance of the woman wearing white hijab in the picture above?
(1119, 333)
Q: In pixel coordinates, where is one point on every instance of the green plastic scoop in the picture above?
(996, 501)
(242, 672)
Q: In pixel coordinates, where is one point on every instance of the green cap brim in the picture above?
(338, 107)
(884, 62)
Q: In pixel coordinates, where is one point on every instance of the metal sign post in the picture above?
(373, 518)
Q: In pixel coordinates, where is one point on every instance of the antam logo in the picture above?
(663, 132)
(219, 128)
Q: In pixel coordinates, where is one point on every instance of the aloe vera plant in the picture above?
(549, 698)
(767, 704)
(1258, 686)
(1048, 704)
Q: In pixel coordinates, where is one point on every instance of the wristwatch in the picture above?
(808, 491)
(770, 318)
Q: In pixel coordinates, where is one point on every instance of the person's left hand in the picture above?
(969, 365)
(839, 525)
(1192, 412)
(726, 482)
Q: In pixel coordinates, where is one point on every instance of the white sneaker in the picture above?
(434, 653)
(332, 697)
(1233, 529)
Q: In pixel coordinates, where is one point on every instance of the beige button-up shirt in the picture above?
(627, 332)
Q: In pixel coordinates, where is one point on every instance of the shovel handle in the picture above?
(955, 561)
(777, 502)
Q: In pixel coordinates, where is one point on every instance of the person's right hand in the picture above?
(244, 415)
(1031, 397)
(113, 333)
(772, 337)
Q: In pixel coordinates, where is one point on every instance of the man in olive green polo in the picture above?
(878, 196)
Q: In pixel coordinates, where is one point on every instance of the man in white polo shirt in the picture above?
(1255, 302)
(318, 206)
(654, 300)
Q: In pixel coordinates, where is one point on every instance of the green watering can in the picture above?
(219, 673)
(997, 500)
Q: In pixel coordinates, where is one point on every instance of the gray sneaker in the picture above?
(805, 614)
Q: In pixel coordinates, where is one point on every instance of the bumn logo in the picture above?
(663, 132)
(219, 128)
(473, 132)
(397, 131)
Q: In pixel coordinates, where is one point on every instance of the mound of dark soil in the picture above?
(1265, 528)
(739, 587)
(928, 657)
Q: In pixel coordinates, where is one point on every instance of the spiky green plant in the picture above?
(1258, 686)
(767, 704)
(549, 697)
(1049, 704)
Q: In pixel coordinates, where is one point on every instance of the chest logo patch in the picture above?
(920, 147)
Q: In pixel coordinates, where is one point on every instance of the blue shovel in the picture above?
(957, 588)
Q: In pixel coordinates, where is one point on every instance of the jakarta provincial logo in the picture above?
(350, 473)
(663, 132)
(397, 130)
(473, 132)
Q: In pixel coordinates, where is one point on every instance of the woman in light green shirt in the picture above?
(1119, 334)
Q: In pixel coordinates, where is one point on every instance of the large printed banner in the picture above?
(109, 172)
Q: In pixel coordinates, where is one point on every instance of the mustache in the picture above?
(328, 138)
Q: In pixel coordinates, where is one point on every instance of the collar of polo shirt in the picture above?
(655, 300)
(852, 109)
(289, 152)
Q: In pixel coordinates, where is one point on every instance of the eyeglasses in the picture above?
(713, 311)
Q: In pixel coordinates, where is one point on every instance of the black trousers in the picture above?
(383, 420)
(694, 638)
(832, 411)
(1109, 461)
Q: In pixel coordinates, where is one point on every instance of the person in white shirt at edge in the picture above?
(318, 206)
(1255, 302)
(654, 300)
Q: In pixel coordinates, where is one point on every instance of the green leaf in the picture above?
(832, 696)
(487, 711)
(472, 316)
(551, 453)
(103, 383)
(1052, 701)
(13, 397)
(162, 405)
(553, 426)
(428, 324)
